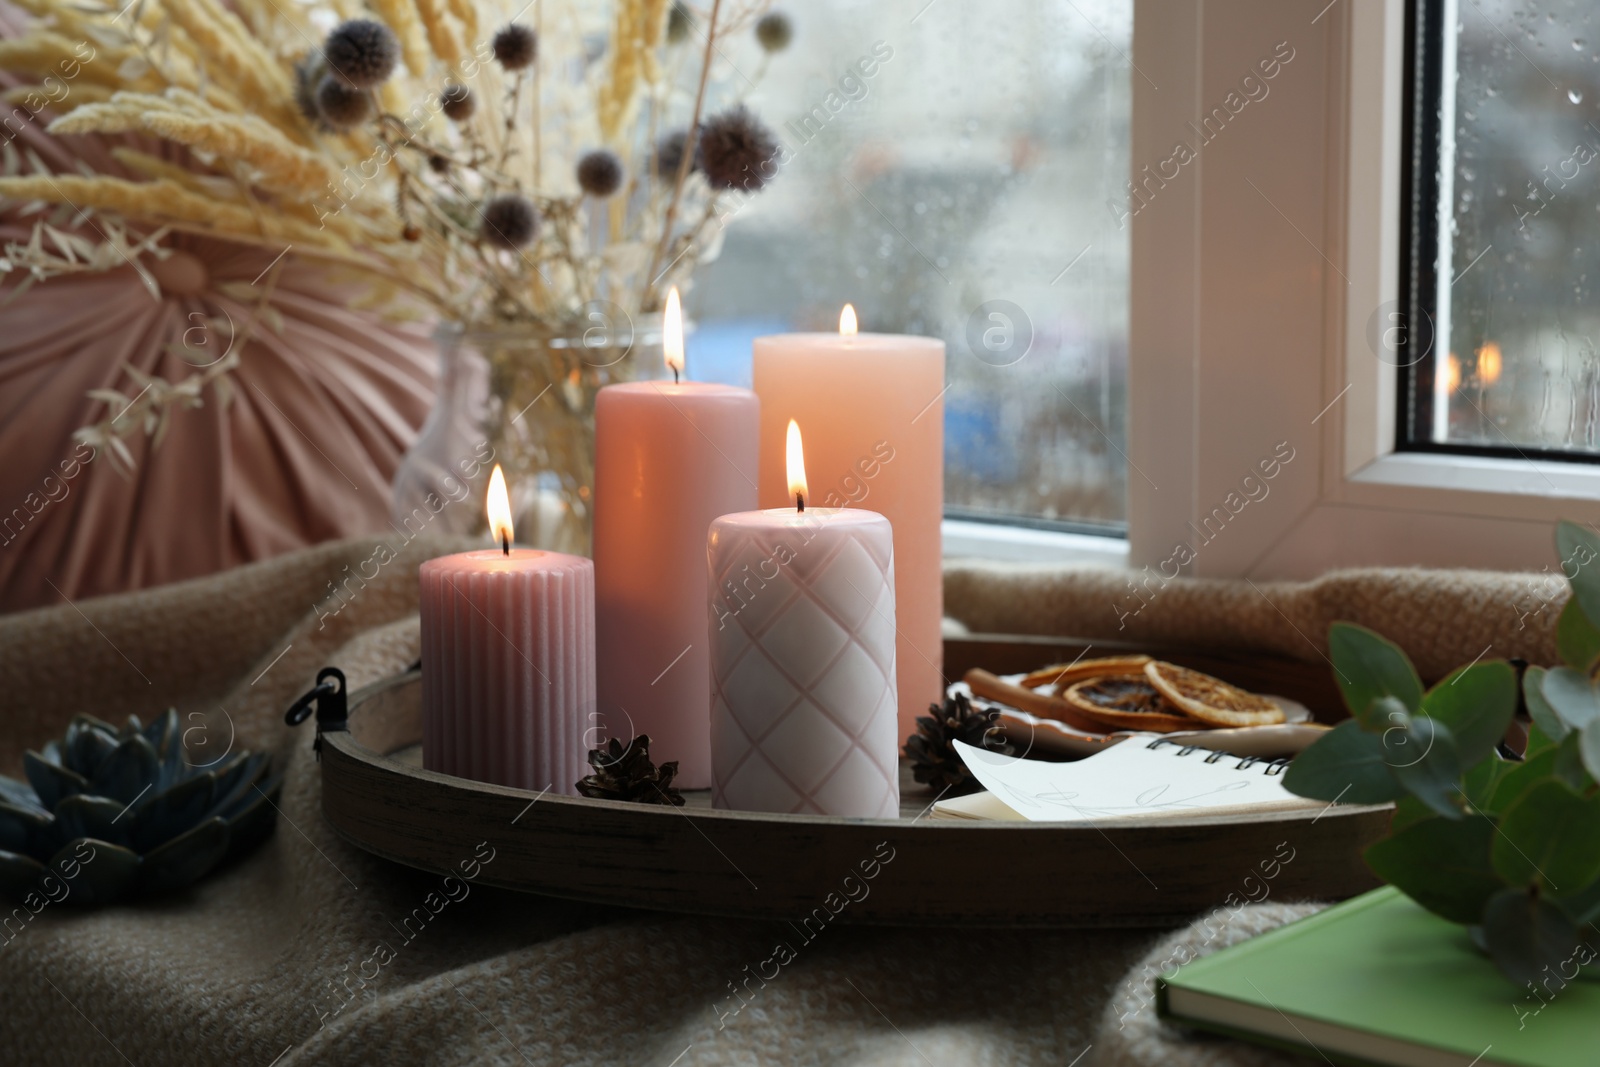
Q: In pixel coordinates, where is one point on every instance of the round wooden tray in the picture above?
(696, 859)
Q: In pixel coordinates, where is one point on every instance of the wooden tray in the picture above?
(751, 865)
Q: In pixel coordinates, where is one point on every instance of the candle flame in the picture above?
(499, 503)
(672, 332)
(847, 321)
(797, 466)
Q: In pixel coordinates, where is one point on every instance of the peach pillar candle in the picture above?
(508, 671)
(803, 660)
(669, 458)
(873, 409)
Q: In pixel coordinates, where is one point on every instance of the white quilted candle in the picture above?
(803, 662)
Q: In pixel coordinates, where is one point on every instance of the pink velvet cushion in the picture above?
(320, 417)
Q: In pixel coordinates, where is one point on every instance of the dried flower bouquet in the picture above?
(506, 173)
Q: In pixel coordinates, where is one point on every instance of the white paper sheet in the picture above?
(1130, 779)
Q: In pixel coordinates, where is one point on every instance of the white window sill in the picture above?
(1020, 544)
(1483, 474)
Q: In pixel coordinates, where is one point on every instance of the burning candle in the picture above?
(873, 406)
(507, 660)
(802, 627)
(669, 458)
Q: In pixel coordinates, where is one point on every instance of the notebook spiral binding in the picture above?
(1273, 767)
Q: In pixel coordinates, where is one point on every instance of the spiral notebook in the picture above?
(1146, 775)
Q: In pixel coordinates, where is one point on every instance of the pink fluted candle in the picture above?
(669, 458)
(508, 665)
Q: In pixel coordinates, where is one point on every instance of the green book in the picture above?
(1378, 981)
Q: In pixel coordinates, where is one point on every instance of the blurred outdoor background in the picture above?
(1520, 368)
(960, 192)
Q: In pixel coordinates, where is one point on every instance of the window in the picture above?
(1501, 249)
(961, 191)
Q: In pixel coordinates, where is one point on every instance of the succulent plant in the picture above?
(152, 821)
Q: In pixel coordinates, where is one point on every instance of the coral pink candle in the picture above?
(669, 458)
(508, 670)
(873, 410)
(803, 659)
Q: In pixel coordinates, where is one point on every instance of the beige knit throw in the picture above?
(1443, 619)
(312, 951)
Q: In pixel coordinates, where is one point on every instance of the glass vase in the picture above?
(525, 400)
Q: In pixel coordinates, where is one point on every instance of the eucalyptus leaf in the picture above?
(1423, 759)
(1538, 741)
(1539, 709)
(1477, 703)
(1577, 639)
(1589, 748)
(1481, 780)
(1568, 766)
(1551, 836)
(1442, 864)
(1521, 778)
(1572, 695)
(1347, 764)
(1369, 666)
(1527, 933)
(1408, 810)
(1582, 906)
(1383, 714)
(1580, 562)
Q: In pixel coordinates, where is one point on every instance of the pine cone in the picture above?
(624, 772)
(934, 760)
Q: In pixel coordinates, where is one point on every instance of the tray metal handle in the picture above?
(330, 695)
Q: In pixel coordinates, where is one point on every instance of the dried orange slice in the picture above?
(1062, 675)
(1209, 699)
(1127, 702)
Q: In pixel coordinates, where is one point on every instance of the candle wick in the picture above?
(800, 501)
(505, 543)
(674, 375)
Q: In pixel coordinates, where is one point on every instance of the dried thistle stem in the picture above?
(690, 142)
(513, 99)
(538, 148)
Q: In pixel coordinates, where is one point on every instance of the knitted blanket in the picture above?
(1443, 619)
(310, 951)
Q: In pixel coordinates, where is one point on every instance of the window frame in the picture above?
(1426, 208)
(1335, 255)
(1379, 468)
